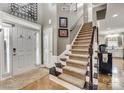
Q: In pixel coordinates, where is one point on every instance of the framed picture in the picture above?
(63, 22)
(63, 32)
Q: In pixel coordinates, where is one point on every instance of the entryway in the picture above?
(20, 49)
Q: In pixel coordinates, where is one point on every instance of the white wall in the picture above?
(101, 39)
(4, 7)
(85, 12)
(48, 11)
(90, 12)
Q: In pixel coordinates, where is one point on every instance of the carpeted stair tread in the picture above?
(84, 63)
(79, 50)
(83, 35)
(87, 32)
(73, 80)
(75, 70)
(77, 55)
(84, 38)
(81, 45)
(78, 40)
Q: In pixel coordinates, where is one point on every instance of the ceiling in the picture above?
(114, 21)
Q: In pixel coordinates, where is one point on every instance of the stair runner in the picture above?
(74, 72)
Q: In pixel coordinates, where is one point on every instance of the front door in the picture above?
(24, 49)
(47, 48)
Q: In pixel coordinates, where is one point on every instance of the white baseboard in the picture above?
(63, 83)
(6, 78)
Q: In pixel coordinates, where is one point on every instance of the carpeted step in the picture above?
(86, 29)
(82, 42)
(79, 50)
(73, 80)
(78, 46)
(83, 35)
(78, 57)
(87, 32)
(85, 38)
(81, 45)
(77, 63)
(74, 71)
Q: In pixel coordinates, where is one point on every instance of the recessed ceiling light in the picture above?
(115, 15)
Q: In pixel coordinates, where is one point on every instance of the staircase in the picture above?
(74, 72)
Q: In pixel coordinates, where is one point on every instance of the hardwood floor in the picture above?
(44, 84)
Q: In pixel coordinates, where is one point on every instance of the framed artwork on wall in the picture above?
(63, 32)
(63, 22)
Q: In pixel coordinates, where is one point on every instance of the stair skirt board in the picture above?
(63, 83)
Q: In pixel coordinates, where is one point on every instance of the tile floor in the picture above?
(116, 82)
(118, 74)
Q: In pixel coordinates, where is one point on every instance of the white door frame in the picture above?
(1, 53)
(50, 46)
(10, 19)
(37, 52)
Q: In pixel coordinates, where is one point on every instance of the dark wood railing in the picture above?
(91, 85)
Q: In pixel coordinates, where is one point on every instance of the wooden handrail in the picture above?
(90, 56)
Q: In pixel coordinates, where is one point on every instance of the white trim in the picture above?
(63, 83)
(5, 17)
(10, 19)
(6, 78)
